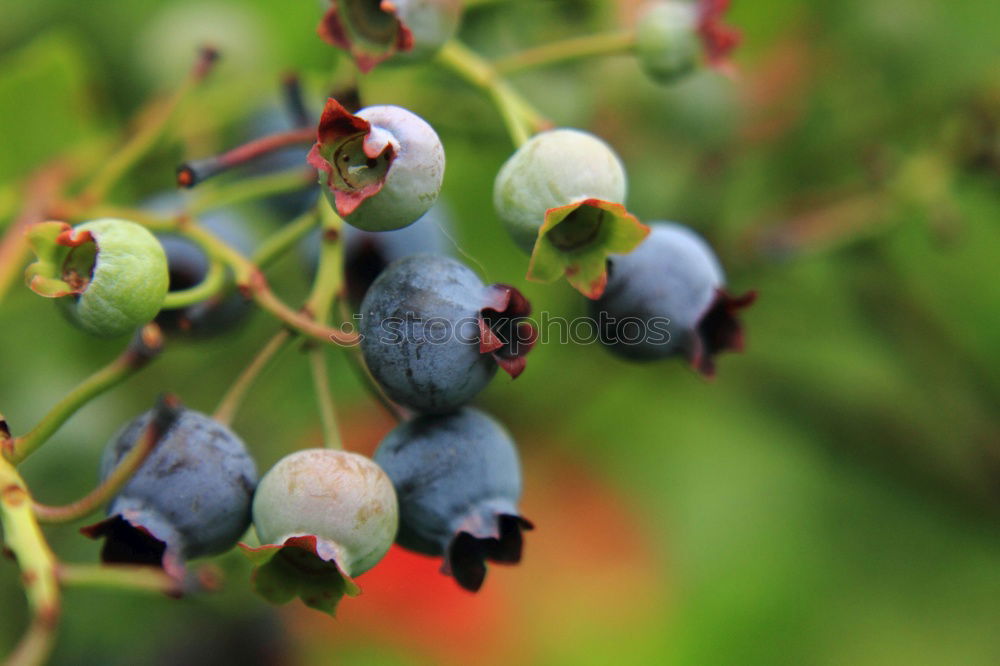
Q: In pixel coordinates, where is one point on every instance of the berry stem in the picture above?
(249, 189)
(142, 349)
(324, 398)
(519, 116)
(92, 501)
(275, 245)
(118, 576)
(357, 364)
(156, 120)
(195, 172)
(234, 397)
(586, 46)
(214, 282)
(24, 538)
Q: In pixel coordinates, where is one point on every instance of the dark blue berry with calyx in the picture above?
(458, 480)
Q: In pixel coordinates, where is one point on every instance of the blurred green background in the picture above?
(832, 497)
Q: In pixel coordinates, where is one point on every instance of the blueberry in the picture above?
(672, 36)
(433, 334)
(666, 298)
(188, 265)
(381, 169)
(190, 498)
(324, 516)
(373, 31)
(109, 275)
(458, 479)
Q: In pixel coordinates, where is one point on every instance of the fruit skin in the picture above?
(188, 265)
(190, 498)
(667, 44)
(458, 478)
(344, 499)
(554, 168)
(673, 275)
(415, 29)
(381, 169)
(109, 275)
(428, 325)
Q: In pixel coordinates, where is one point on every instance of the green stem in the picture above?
(324, 398)
(586, 46)
(118, 576)
(24, 538)
(249, 189)
(140, 351)
(234, 397)
(357, 364)
(213, 283)
(519, 116)
(284, 239)
(157, 120)
(114, 482)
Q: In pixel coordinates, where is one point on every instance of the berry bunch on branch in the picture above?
(360, 192)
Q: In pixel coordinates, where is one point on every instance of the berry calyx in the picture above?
(110, 274)
(381, 168)
(324, 517)
(559, 195)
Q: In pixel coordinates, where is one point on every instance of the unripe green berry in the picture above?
(667, 42)
(110, 274)
(344, 499)
(553, 169)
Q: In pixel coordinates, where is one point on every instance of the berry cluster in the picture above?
(446, 482)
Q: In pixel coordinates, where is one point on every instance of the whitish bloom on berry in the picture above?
(381, 169)
(560, 196)
(110, 274)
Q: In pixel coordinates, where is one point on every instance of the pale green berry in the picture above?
(554, 169)
(666, 39)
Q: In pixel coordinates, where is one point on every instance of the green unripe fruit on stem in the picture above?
(560, 196)
(110, 274)
(325, 517)
(666, 40)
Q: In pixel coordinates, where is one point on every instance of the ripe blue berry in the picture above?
(373, 31)
(325, 517)
(433, 334)
(109, 275)
(381, 169)
(190, 498)
(458, 479)
(560, 197)
(187, 267)
(666, 298)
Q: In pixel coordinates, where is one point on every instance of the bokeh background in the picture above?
(832, 497)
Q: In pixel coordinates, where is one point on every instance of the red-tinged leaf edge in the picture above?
(719, 330)
(53, 244)
(368, 49)
(718, 39)
(301, 566)
(500, 540)
(337, 128)
(575, 241)
(504, 331)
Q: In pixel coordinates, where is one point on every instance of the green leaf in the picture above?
(44, 95)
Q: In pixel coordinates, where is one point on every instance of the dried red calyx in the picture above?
(718, 39)
(719, 330)
(370, 30)
(504, 330)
